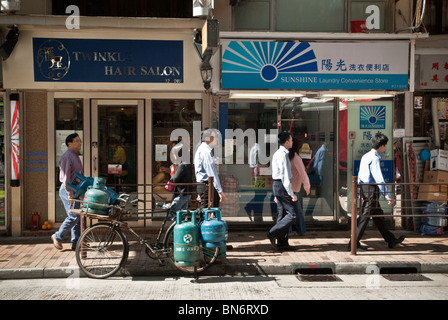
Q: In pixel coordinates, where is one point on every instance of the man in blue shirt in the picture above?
(282, 190)
(369, 174)
(204, 167)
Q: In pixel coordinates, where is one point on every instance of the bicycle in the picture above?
(103, 248)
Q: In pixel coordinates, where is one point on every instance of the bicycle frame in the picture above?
(106, 252)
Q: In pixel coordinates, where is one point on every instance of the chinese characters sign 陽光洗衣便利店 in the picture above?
(314, 66)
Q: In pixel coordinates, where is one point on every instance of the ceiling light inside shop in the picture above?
(264, 94)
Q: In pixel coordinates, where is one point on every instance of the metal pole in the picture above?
(354, 217)
(210, 191)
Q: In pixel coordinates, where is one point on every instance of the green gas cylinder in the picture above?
(186, 240)
(96, 194)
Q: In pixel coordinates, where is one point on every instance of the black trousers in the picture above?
(371, 206)
(287, 213)
(203, 194)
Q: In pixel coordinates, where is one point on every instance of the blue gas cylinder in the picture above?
(186, 240)
(96, 194)
(214, 230)
(79, 185)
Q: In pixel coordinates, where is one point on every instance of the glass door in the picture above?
(311, 123)
(116, 144)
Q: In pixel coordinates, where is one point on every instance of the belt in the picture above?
(276, 179)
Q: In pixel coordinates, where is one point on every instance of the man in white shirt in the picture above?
(284, 195)
(369, 176)
(204, 167)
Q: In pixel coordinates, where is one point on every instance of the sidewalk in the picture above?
(251, 253)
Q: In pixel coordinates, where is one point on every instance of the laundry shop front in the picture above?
(126, 82)
(332, 95)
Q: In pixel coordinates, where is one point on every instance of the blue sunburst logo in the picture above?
(268, 59)
(372, 117)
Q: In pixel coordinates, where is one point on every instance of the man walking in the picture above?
(68, 165)
(283, 193)
(204, 167)
(369, 174)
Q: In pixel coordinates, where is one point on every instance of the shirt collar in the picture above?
(207, 146)
(74, 152)
(284, 149)
(376, 153)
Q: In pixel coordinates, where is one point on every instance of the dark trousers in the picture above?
(287, 213)
(203, 194)
(371, 206)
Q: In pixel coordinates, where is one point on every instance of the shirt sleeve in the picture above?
(178, 174)
(286, 175)
(375, 171)
(210, 168)
(64, 167)
(302, 172)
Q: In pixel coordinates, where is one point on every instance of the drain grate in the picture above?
(316, 275)
(318, 278)
(402, 274)
(405, 277)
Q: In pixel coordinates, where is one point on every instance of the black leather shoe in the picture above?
(286, 248)
(396, 241)
(271, 239)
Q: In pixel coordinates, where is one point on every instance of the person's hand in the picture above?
(294, 197)
(275, 199)
(307, 190)
(390, 201)
(222, 197)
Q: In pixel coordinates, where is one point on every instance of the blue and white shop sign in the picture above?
(314, 65)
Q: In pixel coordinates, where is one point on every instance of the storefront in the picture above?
(133, 86)
(331, 95)
(122, 89)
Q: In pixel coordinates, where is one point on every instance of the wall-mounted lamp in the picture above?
(206, 74)
(205, 42)
(11, 39)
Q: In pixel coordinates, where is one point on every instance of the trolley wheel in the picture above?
(102, 250)
(207, 255)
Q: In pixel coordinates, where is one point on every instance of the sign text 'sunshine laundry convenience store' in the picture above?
(315, 66)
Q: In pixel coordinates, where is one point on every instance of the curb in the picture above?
(348, 268)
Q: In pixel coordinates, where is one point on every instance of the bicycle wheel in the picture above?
(102, 250)
(207, 256)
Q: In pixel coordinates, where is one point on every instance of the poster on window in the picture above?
(365, 119)
(433, 72)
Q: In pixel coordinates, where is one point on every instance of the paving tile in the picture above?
(249, 247)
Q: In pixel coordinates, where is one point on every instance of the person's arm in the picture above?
(210, 168)
(285, 177)
(178, 174)
(65, 173)
(375, 171)
(302, 172)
